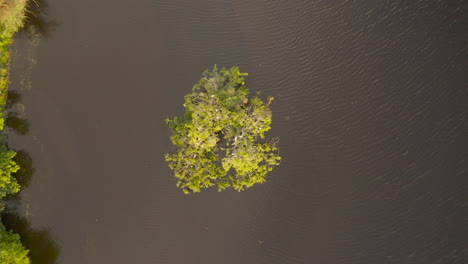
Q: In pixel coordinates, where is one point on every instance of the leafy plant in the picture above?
(11, 249)
(221, 138)
(8, 183)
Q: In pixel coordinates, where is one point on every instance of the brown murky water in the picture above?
(371, 108)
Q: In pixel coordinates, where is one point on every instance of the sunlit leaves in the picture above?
(218, 138)
(8, 184)
(11, 249)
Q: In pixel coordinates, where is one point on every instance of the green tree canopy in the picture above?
(11, 249)
(221, 138)
(8, 183)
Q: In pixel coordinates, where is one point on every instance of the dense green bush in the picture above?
(220, 139)
(8, 183)
(11, 249)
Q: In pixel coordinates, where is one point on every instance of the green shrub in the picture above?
(11, 249)
(8, 184)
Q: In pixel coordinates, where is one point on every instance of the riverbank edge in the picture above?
(12, 17)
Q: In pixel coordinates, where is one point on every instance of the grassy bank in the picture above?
(12, 14)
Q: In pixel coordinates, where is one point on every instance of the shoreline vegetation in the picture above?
(12, 16)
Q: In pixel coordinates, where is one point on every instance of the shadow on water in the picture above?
(14, 119)
(17, 124)
(26, 171)
(41, 244)
(37, 19)
(13, 98)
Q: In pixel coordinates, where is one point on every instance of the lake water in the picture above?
(371, 107)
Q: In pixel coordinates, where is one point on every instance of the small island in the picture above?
(221, 138)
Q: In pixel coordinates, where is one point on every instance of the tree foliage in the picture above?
(11, 249)
(8, 183)
(221, 138)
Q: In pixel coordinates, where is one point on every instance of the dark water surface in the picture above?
(371, 108)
